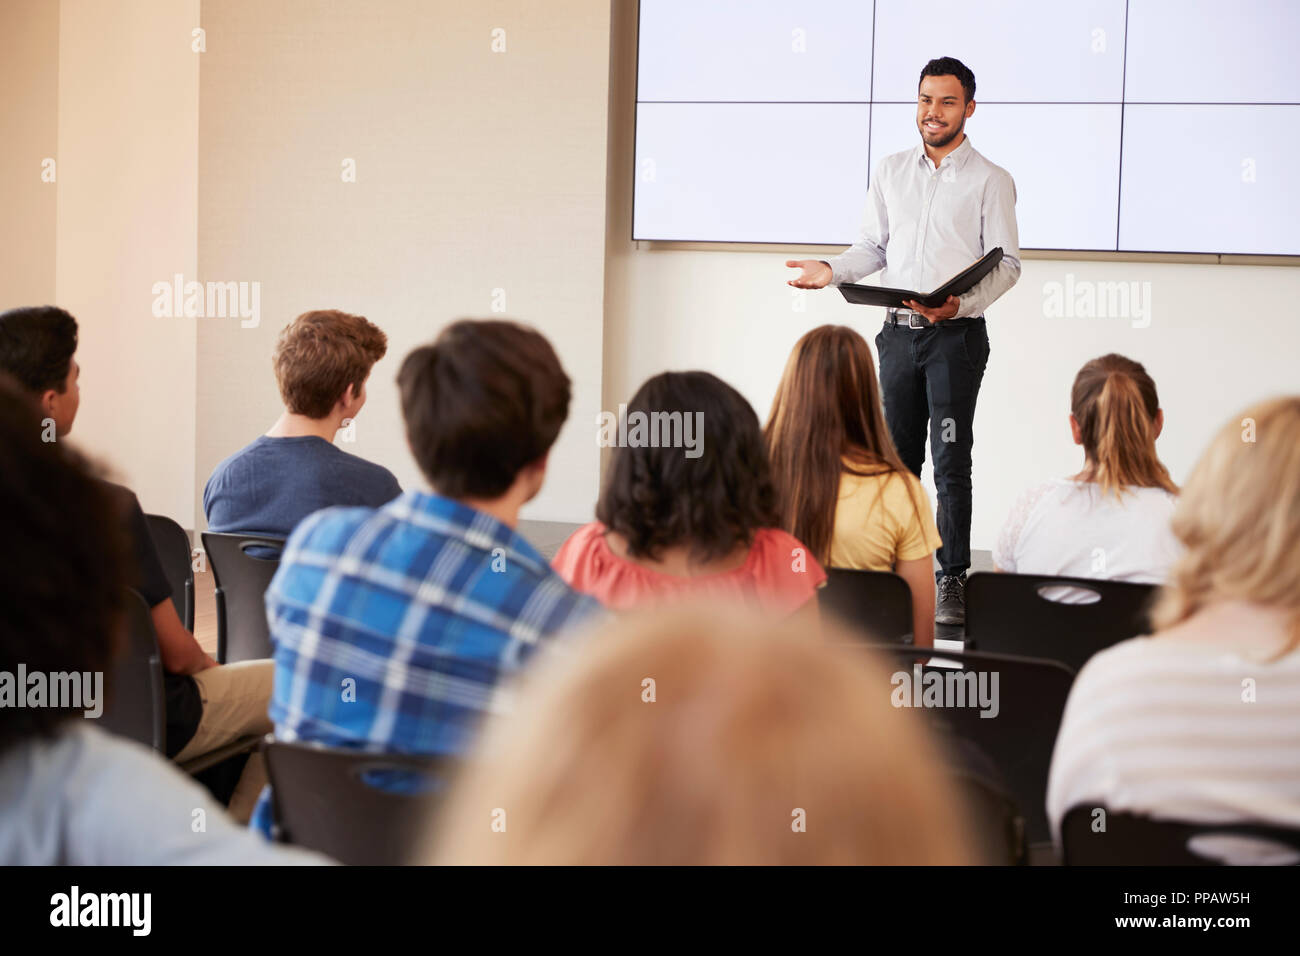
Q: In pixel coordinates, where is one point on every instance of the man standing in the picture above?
(932, 211)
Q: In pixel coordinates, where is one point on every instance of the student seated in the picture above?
(1111, 520)
(74, 794)
(1201, 721)
(688, 508)
(392, 626)
(747, 745)
(208, 705)
(841, 485)
(322, 361)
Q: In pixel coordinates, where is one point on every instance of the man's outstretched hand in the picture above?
(816, 274)
(945, 311)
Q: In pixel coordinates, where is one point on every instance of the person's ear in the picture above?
(1074, 430)
(970, 109)
(1160, 423)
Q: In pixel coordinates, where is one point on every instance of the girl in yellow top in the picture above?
(842, 488)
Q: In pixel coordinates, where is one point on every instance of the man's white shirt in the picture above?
(924, 224)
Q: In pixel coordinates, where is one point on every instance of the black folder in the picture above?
(959, 284)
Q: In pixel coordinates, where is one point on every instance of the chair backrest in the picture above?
(136, 703)
(1013, 721)
(173, 546)
(1008, 614)
(1132, 840)
(363, 809)
(241, 580)
(876, 604)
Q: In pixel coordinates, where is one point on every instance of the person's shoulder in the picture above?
(988, 167)
(373, 473)
(778, 551)
(256, 447)
(893, 162)
(330, 526)
(579, 550)
(121, 496)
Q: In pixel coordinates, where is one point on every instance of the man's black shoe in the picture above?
(951, 606)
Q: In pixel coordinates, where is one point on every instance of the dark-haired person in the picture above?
(322, 361)
(393, 626)
(1110, 520)
(208, 705)
(690, 511)
(932, 211)
(842, 488)
(72, 793)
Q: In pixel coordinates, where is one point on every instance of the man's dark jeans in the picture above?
(929, 380)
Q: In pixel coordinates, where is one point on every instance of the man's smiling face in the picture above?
(941, 110)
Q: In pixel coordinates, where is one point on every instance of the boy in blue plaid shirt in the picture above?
(392, 626)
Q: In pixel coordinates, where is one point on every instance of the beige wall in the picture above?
(29, 79)
(1220, 335)
(128, 103)
(475, 171)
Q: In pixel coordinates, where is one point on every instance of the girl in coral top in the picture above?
(688, 510)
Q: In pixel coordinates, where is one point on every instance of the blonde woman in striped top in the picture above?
(1201, 721)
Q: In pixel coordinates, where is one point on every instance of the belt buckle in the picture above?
(916, 321)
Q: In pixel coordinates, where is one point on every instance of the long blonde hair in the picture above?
(1115, 403)
(1239, 520)
(703, 735)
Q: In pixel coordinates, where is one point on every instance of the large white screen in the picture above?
(737, 97)
(771, 172)
(755, 50)
(1207, 178)
(1208, 51)
(1040, 51)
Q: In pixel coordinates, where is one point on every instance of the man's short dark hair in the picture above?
(61, 568)
(36, 346)
(950, 66)
(658, 498)
(485, 400)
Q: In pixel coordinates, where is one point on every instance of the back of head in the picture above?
(61, 579)
(1114, 401)
(319, 354)
(827, 410)
(693, 470)
(701, 735)
(485, 400)
(36, 346)
(1238, 518)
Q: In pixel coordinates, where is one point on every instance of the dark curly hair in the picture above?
(62, 587)
(658, 498)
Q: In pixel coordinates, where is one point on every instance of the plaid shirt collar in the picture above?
(476, 528)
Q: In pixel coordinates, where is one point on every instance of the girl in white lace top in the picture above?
(1111, 520)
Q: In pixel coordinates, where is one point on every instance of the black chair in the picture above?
(136, 708)
(1133, 840)
(330, 800)
(1008, 614)
(877, 604)
(241, 580)
(174, 550)
(1018, 740)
